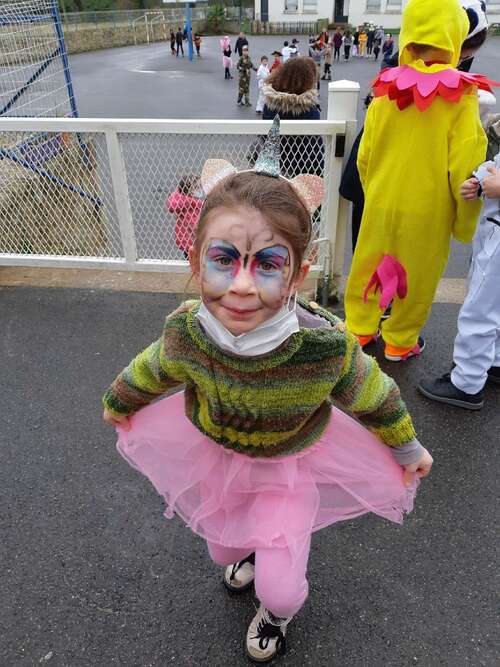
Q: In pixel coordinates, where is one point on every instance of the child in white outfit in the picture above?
(476, 353)
(262, 74)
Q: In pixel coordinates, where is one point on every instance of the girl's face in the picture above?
(245, 269)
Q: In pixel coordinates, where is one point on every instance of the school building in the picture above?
(386, 13)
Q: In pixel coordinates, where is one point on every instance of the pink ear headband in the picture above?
(309, 188)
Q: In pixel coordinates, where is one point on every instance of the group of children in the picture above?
(251, 454)
(177, 40)
(320, 50)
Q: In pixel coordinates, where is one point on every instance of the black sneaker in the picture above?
(444, 391)
(239, 577)
(494, 375)
(266, 635)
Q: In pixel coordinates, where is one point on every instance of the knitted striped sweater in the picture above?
(272, 405)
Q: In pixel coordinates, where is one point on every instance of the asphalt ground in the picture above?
(93, 575)
(146, 81)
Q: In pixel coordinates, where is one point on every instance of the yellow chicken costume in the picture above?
(422, 139)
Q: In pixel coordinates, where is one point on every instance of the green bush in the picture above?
(216, 19)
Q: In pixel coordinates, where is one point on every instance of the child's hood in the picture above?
(443, 25)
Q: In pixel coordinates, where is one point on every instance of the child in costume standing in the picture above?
(422, 140)
(227, 62)
(262, 75)
(276, 62)
(476, 354)
(186, 203)
(251, 454)
(245, 67)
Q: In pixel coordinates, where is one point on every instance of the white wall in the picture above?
(379, 12)
(389, 13)
(307, 10)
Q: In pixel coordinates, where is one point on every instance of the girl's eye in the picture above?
(223, 260)
(267, 266)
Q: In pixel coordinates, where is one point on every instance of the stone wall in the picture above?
(95, 37)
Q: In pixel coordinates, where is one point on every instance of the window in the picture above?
(394, 5)
(291, 5)
(311, 6)
(372, 6)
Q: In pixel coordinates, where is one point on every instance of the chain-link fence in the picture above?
(127, 193)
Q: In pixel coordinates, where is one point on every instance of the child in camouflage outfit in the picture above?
(244, 67)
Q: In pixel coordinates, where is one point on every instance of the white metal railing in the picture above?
(94, 192)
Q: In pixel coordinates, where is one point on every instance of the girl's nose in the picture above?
(243, 282)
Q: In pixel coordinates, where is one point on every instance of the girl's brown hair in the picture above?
(295, 76)
(274, 198)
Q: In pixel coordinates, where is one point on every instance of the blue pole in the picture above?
(62, 48)
(189, 31)
(31, 80)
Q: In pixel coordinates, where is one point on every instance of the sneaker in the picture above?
(444, 391)
(248, 104)
(494, 375)
(239, 103)
(393, 354)
(239, 577)
(266, 635)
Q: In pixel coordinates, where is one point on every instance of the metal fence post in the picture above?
(342, 105)
(122, 199)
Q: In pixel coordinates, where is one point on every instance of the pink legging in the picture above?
(280, 580)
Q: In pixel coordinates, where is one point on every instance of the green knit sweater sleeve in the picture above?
(371, 395)
(143, 380)
(149, 375)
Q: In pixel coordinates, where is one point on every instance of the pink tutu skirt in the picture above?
(237, 501)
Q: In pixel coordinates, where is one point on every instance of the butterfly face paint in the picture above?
(266, 272)
(245, 269)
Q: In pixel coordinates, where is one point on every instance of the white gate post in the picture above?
(342, 105)
(122, 199)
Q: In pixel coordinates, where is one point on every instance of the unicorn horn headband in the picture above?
(308, 187)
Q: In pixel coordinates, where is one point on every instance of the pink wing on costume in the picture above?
(391, 279)
(407, 85)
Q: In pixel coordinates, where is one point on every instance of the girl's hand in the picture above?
(114, 420)
(469, 189)
(491, 184)
(421, 468)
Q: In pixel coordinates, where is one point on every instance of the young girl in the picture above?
(186, 204)
(327, 72)
(262, 75)
(251, 453)
(227, 63)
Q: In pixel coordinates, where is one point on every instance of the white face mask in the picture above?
(266, 337)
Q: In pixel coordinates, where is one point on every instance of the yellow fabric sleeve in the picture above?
(467, 150)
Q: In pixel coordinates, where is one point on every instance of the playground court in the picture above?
(148, 82)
